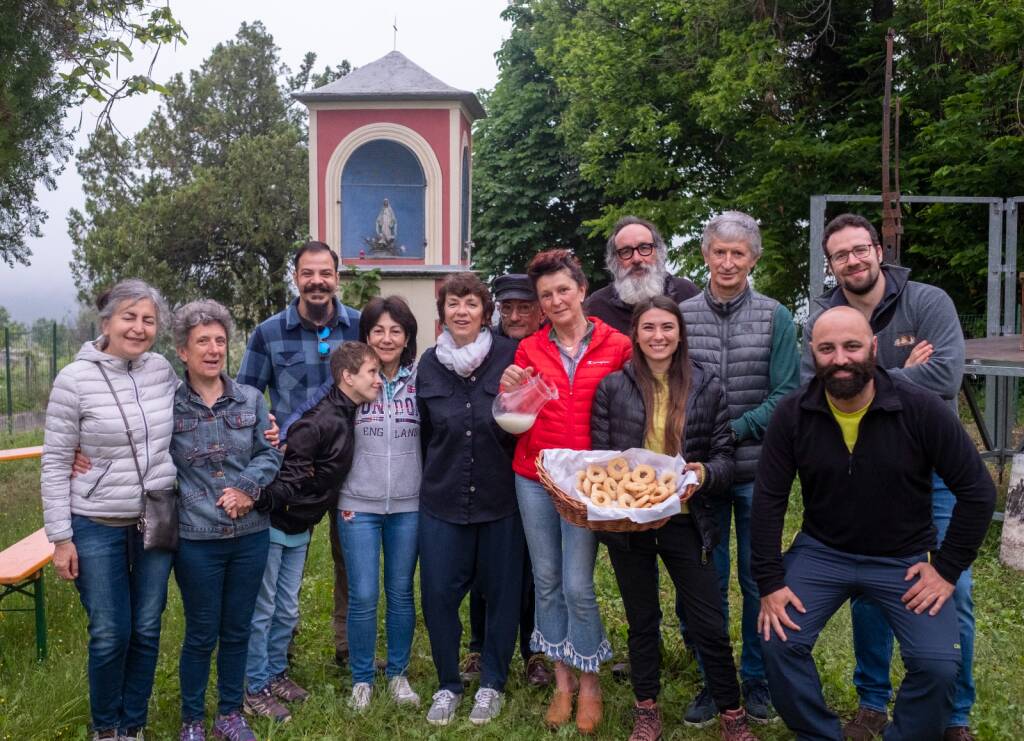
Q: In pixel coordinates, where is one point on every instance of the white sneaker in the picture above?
(486, 706)
(401, 692)
(361, 693)
(443, 708)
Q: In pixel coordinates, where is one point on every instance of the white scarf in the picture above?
(466, 359)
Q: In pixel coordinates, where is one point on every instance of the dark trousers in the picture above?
(219, 581)
(340, 616)
(636, 571)
(453, 558)
(478, 614)
(824, 578)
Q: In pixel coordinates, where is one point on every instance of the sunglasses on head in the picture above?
(322, 346)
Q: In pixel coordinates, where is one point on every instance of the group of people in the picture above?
(408, 464)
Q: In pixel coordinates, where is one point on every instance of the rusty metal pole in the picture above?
(891, 226)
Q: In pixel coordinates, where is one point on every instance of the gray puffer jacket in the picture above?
(82, 414)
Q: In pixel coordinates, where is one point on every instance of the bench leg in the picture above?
(39, 597)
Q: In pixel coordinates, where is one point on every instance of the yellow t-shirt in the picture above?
(655, 439)
(848, 423)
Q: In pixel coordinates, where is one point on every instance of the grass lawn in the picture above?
(50, 700)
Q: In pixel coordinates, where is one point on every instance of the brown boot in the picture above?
(560, 710)
(958, 733)
(733, 724)
(866, 725)
(588, 713)
(646, 721)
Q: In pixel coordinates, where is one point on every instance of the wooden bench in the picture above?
(19, 454)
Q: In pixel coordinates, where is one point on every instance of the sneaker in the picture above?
(285, 688)
(486, 706)
(470, 669)
(442, 709)
(360, 699)
(112, 735)
(192, 731)
(620, 671)
(402, 693)
(264, 704)
(537, 672)
(233, 727)
(646, 721)
(733, 724)
(866, 725)
(757, 701)
(701, 711)
(958, 733)
(132, 734)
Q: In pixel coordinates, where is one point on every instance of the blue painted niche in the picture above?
(377, 170)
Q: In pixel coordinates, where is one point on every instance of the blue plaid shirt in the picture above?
(282, 355)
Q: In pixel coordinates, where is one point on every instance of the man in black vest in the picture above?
(749, 340)
(637, 260)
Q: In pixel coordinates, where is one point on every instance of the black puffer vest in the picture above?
(735, 337)
(618, 421)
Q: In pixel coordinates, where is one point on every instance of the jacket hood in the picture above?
(896, 278)
(92, 354)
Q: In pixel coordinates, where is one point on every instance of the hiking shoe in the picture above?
(192, 731)
(866, 725)
(285, 688)
(646, 721)
(958, 733)
(233, 727)
(486, 706)
(757, 701)
(537, 672)
(264, 704)
(442, 709)
(701, 711)
(360, 699)
(734, 726)
(470, 669)
(401, 692)
(620, 671)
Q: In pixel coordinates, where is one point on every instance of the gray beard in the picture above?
(633, 289)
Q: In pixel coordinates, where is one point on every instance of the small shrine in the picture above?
(390, 150)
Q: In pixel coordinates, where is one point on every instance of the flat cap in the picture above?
(514, 286)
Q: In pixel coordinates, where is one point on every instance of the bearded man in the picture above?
(637, 260)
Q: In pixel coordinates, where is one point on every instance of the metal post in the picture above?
(993, 305)
(40, 599)
(53, 353)
(817, 261)
(10, 385)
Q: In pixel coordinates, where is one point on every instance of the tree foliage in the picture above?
(678, 109)
(208, 199)
(53, 55)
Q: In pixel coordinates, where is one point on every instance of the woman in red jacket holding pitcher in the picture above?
(573, 354)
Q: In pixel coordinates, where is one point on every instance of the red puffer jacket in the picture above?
(565, 422)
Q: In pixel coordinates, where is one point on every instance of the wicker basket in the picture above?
(573, 511)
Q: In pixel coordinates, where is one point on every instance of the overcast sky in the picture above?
(454, 40)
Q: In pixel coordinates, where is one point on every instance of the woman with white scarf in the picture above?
(469, 525)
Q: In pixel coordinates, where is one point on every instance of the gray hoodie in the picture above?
(908, 313)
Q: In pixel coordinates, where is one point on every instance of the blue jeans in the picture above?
(362, 539)
(872, 637)
(823, 579)
(275, 616)
(568, 625)
(219, 581)
(124, 591)
(739, 502)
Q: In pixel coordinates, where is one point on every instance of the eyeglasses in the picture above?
(625, 253)
(860, 251)
(323, 347)
(506, 309)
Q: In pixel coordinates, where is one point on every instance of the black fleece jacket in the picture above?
(316, 462)
(876, 501)
(618, 420)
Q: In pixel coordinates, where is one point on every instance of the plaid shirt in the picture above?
(283, 355)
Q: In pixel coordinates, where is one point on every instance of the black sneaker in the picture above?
(702, 711)
(758, 701)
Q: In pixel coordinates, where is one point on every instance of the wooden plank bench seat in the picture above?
(18, 454)
(21, 572)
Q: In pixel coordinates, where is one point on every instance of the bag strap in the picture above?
(127, 428)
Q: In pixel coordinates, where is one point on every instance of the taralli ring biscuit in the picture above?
(668, 480)
(626, 500)
(596, 474)
(615, 484)
(643, 474)
(600, 498)
(618, 468)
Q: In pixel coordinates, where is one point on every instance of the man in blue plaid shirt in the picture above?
(288, 353)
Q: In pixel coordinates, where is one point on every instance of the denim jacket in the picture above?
(218, 448)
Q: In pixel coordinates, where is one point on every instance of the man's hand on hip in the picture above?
(930, 590)
(773, 613)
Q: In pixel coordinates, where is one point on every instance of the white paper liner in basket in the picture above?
(562, 465)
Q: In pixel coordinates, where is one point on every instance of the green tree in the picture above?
(53, 55)
(208, 199)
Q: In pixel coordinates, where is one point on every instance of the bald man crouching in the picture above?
(864, 445)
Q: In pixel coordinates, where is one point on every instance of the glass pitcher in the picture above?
(516, 410)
